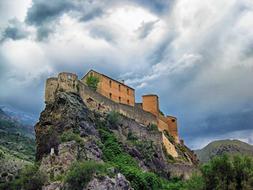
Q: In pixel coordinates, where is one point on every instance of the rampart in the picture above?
(69, 82)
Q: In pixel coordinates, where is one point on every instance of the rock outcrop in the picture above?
(68, 114)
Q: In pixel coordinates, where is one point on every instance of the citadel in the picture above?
(112, 95)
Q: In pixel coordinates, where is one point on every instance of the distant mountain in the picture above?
(20, 116)
(17, 146)
(10, 124)
(220, 147)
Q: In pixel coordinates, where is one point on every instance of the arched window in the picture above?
(119, 99)
(128, 102)
(110, 94)
(119, 87)
(110, 83)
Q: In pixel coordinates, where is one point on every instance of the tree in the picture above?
(92, 82)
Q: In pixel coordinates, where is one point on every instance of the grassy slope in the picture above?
(17, 147)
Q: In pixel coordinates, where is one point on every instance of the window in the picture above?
(91, 74)
(119, 99)
(127, 91)
(119, 87)
(110, 83)
(110, 94)
(173, 120)
(128, 102)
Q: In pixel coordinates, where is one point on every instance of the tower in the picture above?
(150, 103)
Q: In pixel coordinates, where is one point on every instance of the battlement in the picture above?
(101, 100)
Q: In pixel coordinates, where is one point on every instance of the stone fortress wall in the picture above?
(146, 113)
(69, 82)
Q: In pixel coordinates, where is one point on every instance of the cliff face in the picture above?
(68, 132)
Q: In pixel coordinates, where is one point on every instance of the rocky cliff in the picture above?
(68, 133)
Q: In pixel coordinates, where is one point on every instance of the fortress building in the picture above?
(113, 89)
(113, 95)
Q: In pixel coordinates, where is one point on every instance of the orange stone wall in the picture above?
(150, 104)
(116, 91)
(172, 127)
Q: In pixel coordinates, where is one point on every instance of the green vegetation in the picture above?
(92, 82)
(82, 172)
(131, 137)
(71, 136)
(17, 145)
(114, 154)
(152, 127)
(29, 178)
(113, 118)
(226, 172)
(230, 147)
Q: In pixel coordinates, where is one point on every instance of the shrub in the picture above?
(30, 178)
(224, 172)
(196, 182)
(131, 136)
(92, 82)
(70, 136)
(80, 173)
(114, 154)
(152, 127)
(113, 118)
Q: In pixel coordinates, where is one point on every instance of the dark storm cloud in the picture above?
(45, 11)
(43, 32)
(156, 6)
(15, 30)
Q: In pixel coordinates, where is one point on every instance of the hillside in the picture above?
(220, 147)
(17, 146)
(68, 132)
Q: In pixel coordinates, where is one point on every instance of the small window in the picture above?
(110, 94)
(91, 74)
(119, 99)
(119, 87)
(128, 102)
(127, 91)
(110, 83)
(173, 120)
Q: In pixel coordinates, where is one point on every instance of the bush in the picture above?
(113, 118)
(152, 127)
(131, 136)
(226, 172)
(196, 182)
(30, 178)
(70, 136)
(92, 82)
(114, 154)
(80, 173)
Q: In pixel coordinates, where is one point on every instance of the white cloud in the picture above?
(197, 55)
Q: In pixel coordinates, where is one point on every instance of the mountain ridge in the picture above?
(226, 146)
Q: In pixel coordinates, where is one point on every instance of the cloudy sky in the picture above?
(197, 55)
